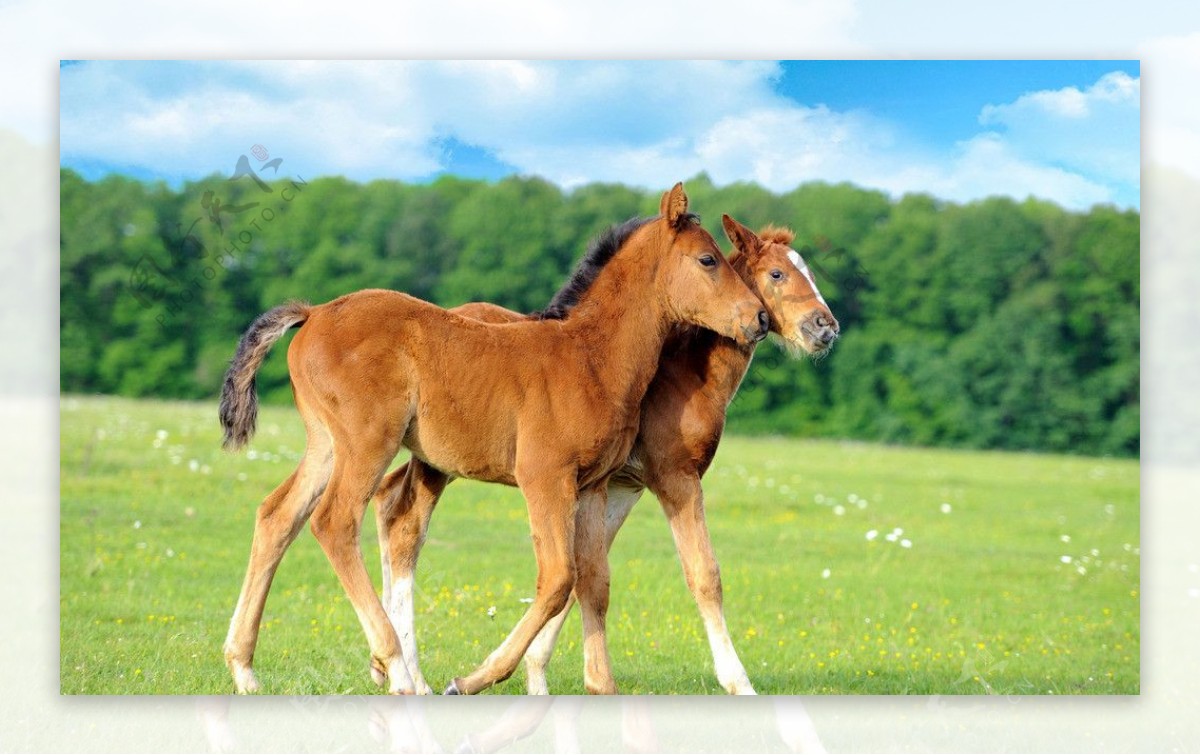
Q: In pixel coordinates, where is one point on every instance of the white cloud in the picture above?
(1093, 131)
(1117, 89)
(784, 146)
(777, 145)
(988, 164)
(644, 123)
(385, 118)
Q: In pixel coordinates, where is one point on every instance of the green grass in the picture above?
(156, 525)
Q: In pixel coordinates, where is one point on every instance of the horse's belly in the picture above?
(461, 452)
(633, 473)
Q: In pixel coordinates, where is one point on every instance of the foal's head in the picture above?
(696, 281)
(781, 279)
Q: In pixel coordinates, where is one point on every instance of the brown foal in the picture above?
(683, 416)
(550, 405)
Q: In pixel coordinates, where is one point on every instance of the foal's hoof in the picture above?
(378, 676)
(452, 689)
(244, 679)
(604, 688)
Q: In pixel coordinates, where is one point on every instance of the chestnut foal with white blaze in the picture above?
(551, 406)
(683, 416)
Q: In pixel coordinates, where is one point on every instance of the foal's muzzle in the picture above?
(821, 329)
(755, 333)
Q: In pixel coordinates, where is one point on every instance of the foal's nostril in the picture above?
(763, 322)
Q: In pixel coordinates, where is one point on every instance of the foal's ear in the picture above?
(742, 237)
(674, 205)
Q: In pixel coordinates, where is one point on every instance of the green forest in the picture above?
(992, 324)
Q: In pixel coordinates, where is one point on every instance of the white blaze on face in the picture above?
(794, 256)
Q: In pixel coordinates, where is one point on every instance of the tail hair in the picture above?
(239, 401)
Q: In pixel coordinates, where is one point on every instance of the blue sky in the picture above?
(939, 100)
(1067, 131)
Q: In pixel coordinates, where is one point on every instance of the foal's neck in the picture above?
(719, 362)
(727, 365)
(624, 324)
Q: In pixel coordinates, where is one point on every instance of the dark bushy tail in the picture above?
(239, 403)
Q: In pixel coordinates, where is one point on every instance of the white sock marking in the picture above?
(400, 611)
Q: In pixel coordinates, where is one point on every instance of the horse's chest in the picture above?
(605, 451)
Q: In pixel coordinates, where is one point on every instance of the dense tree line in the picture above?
(994, 324)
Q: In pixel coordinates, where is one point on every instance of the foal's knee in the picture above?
(706, 583)
(591, 586)
(330, 527)
(555, 589)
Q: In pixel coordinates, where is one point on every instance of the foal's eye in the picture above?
(776, 275)
(708, 260)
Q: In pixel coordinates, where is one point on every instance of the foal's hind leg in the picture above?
(683, 502)
(279, 520)
(383, 498)
(337, 522)
(404, 504)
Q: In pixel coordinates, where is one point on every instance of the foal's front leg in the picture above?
(682, 500)
(591, 588)
(550, 494)
(620, 502)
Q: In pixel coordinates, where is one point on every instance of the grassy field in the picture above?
(848, 569)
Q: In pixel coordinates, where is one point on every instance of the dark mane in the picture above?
(598, 254)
